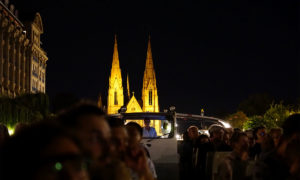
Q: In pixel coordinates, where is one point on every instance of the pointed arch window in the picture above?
(116, 98)
(150, 97)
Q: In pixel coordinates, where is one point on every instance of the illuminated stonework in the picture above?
(133, 105)
(22, 60)
(149, 92)
(116, 92)
(115, 98)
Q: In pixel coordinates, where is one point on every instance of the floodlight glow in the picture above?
(178, 137)
(206, 132)
(225, 124)
(11, 130)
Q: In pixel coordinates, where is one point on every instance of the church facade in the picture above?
(116, 91)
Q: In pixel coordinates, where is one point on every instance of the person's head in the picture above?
(226, 138)
(185, 136)
(119, 135)
(291, 128)
(229, 131)
(147, 122)
(276, 134)
(259, 133)
(89, 125)
(4, 135)
(193, 132)
(135, 133)
(43, 151)
(249, 133)
(237, 130)
(239, 142)
(267, 144)
(292, 156)
(216, 133)
(20, 127)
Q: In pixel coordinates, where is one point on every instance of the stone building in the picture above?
(22, 60)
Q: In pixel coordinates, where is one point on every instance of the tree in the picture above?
(276, 115)
(26, 108)
(254, 121)
(256, 104)
(273, 117)
(237, 119)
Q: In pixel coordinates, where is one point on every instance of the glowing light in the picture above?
(11, 130)
(206, 132)
(178, 137)
(58, 166)
(203, 131)
(169, 127)
(176, 125)
(225, 124)
(172, 108)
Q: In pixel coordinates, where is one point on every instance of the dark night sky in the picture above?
(207, 54)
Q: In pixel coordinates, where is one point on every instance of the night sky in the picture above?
(207, 54)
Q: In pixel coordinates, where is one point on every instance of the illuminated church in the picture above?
(116, 94)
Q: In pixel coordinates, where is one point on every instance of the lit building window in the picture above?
(150, 97)
(116, 98)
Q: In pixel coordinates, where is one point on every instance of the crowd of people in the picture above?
(81, 143)
(233, 154)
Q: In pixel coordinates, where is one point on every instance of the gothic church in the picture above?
(116, 95)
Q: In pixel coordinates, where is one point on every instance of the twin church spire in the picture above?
(115, 98)
(116, 92)
(149, 92)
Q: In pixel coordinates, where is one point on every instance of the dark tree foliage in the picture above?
(26, 108)
(256, 104)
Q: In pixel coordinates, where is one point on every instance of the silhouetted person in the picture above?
(203, 146)
(233, 167)
(20, 127)
(217, 138)
(137, 160)
(87, 122)
(259, 134)
(276, 134)
(119, 137)
(4, 135)
(282, 162)
(186, 157)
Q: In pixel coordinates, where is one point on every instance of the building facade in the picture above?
(22, 60)
(116, 92)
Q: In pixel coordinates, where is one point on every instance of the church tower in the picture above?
(149, 92)
(115, 92)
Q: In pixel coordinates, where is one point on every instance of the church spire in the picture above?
(128, 88)
(99, 102)
(149, 92)
(115, 92)
(149, 60)
(116, 63)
